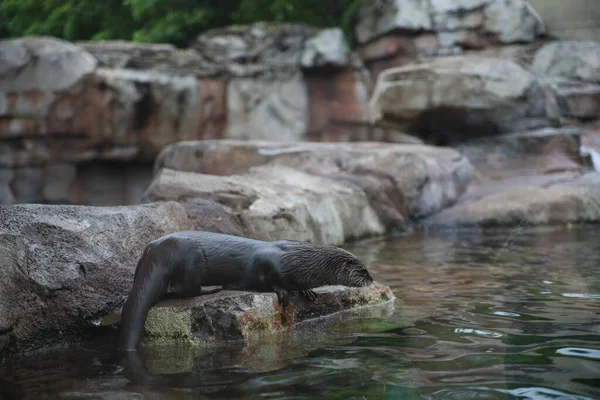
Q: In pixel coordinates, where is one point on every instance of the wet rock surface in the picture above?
(235, 316)
(61, 267)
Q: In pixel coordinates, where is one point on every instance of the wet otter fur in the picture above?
(182, 263)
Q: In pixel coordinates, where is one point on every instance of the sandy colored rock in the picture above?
(277, 202)
(454, 98)
(400, 180)
(63, 266)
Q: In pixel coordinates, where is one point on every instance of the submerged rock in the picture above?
(61, 267)
(236, 315)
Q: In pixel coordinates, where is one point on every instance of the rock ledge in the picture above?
(235, 315)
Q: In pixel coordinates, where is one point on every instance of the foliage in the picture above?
(67, 19)
(160, 21)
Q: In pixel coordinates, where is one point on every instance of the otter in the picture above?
(183, 263)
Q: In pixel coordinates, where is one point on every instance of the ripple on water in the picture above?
(582, 295)
(579, 352)
(471, 322)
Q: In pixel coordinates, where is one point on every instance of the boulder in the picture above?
(266, 47)
(267, 108)
(574, 60)
(530, 205)
(392, 33)
(450, 99)
(39, 64)
(522, 153)
(275, 202)
(158, 57)
(401, 181)
(229, 316)
(376, 18)
(61, 267)
(578, 100)
(327, 48)
(573, 67)
(512, 21)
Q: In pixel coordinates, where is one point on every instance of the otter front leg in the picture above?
(267, 280)
(283, 296)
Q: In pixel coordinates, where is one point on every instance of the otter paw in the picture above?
(283, 297)
(308, 294)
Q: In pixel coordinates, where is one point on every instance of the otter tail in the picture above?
(149, 285)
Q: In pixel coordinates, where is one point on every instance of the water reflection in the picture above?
(496, 314)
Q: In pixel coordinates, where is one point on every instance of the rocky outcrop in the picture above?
(392, 33)
(399, 181)
(123, 102)
(540, 152)
(62, 267)
(573, 60)
(233, 316)
(528, 178)
(574, 69)
(452, 98)
(271, 203)
(529, 205)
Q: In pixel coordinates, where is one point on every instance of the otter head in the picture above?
(312, 266)
(351, 271)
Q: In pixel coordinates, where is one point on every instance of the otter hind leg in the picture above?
(149, 286)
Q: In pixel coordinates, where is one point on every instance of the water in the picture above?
(504, 314)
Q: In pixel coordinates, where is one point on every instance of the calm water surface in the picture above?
(505, 314)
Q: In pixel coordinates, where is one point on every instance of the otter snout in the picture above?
(360, 277)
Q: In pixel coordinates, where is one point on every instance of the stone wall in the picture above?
(67, 109)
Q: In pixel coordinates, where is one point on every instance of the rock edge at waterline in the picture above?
(238, 315)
